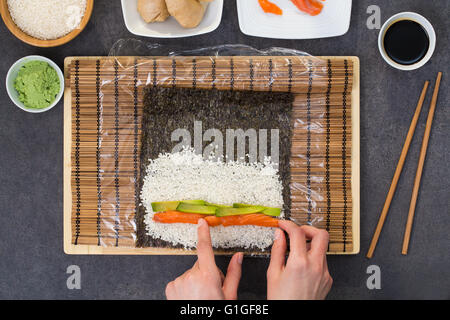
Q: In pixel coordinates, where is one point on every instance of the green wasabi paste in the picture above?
(37, 84)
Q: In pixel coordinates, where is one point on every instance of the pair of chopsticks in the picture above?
(398, 170)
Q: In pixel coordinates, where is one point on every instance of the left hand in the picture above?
(205, 281)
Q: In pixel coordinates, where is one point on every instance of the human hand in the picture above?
(205, 281)
(305, 275)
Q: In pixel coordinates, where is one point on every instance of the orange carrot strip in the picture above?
(270, 7)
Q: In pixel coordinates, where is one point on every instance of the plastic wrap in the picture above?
(320, 173)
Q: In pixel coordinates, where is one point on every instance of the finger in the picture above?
(195, 266)
(297, 238)
(308, 246)
(204, 247)
(170, 290)
(319, 240)
(234, 272)
(325, 263)
(222, 276)
(278, 254)
(185, 275)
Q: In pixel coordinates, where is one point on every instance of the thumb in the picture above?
(231, 282)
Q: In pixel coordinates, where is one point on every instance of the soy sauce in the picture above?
(406, 42)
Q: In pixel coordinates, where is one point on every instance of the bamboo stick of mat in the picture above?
(423, 153)
(397, 173)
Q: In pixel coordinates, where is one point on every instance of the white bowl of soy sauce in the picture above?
(407, 41)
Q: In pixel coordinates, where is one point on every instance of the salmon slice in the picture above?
(311, 7)
(213, 221)
(173, 216)
(270, 7)
(315, 6)
(254, 219)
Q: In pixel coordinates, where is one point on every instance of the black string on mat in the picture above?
(155, 73)
(194, 73)
(327, 149)
(77, 150)
(136, 132)
(231, 74)
(213, 73)
(252, 74)
(270, 75)
(308, 142)
(344, 153)
(116, 149)
(174, 73)
(99, 190)
(290, 72)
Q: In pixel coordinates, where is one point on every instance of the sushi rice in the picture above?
(186, 175)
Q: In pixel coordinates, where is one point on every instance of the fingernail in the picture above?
(240, 257)
(278, 234)
(201, 222)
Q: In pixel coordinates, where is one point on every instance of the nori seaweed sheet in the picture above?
(168, 109)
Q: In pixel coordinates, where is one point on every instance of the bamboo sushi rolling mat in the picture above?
(102, 114)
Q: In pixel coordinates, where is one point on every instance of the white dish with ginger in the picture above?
(171, 18)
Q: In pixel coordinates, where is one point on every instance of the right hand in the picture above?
(305, 275)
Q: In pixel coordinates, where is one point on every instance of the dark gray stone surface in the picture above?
(32, 261)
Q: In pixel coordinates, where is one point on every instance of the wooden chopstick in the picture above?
(397, 173)
(423, 153)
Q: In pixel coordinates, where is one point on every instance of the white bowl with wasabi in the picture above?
(35, 84)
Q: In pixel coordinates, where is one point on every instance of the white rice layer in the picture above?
(187, 176)
(47, 19)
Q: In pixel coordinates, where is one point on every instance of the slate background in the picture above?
(32, 261)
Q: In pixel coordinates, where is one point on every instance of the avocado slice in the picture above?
(200, 202)
(165, 206)
(172, 205)
(217, 205)
(274, 212)
(242, 205)
(195, 208)
(223, 212)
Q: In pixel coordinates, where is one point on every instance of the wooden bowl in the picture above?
(15, 30)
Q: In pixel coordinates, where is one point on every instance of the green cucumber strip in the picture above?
(223, 212)
(194, 208)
